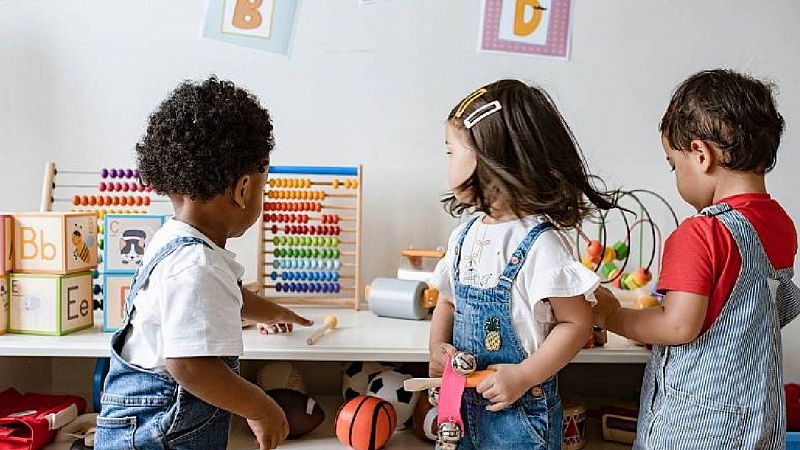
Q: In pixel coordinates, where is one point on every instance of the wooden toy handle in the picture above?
(47, 187)
(316, 335)
(430, 297)
(421, 384)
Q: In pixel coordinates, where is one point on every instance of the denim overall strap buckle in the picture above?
(519, 255)
(142, 275)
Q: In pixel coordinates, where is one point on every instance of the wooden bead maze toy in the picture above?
(310, 235)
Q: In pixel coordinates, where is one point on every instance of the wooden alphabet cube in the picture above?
(6, 243)
(57, 243)
(50, 304)
(125, 239)
(115, 290)
(3, 304)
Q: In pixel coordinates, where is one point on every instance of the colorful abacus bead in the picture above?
(609, 255)
(103, 173)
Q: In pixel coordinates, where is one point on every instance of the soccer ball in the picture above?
(388, 385)
(357, 376)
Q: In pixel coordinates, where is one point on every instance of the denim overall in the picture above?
(148, 410)
(724, 390)
(535, 420)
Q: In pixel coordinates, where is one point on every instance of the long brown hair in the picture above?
(527, 158)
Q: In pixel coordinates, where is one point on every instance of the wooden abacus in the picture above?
(117, 191)
(310, 236)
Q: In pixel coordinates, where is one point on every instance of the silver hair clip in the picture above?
(482, 113)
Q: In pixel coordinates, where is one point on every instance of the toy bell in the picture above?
(464, 363)
(433, 396)
(449, 436)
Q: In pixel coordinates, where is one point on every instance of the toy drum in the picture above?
(574, 427)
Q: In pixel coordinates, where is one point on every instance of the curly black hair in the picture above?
(733, 111)
(527, 158)
(204, 137)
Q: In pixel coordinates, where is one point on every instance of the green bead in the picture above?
(622, 250)
(335, 241)
(607, 269)
(337, 253)
(308, 240)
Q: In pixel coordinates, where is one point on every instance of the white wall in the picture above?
(372, 85)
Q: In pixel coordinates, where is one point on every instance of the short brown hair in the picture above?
(527, 157)
(732, 111)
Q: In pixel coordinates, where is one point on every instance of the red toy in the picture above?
(792, 407)
(31, 421)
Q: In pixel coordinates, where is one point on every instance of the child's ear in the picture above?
(241, 191)
(704, 155)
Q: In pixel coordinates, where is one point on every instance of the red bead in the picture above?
(146, 201)
(125, 187)
(337, 231)
(274, 228)
(287, 229)
(312, 231)
(102, 186)
(336, 218)
(118, 186)
(134, 187)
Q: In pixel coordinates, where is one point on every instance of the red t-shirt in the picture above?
(702, 258)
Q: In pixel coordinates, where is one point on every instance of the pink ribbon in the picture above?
(450, 396)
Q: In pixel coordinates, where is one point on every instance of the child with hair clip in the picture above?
(513, 294)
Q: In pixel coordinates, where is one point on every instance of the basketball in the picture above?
(365, 423)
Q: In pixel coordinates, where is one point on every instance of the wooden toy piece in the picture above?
(4, 287)
(646, 301)
(365, 423)
(55, 242)
(6, 243)
(115, 290)
(330, 324)
(50, 304)
(126, 237)
(415, 256)
(419, 384)
(619, 428)
(400, 299)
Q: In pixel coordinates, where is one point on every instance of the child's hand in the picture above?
(282, 320)
(271, 428)
(439, 353)
(505, 387)
(607, 305)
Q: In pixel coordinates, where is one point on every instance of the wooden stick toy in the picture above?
(330, 324)
(420, 384)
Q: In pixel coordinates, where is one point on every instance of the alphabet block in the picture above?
(125, 239)
(56, 243)
(50, 304)
(6, 240)
(115, 289)
(3, 304)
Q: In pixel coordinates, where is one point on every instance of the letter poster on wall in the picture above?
(266, 25)
(533, 27)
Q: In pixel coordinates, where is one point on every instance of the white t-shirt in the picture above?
(549, 270)
(191, 305)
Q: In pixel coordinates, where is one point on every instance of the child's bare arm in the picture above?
(678, 321)
(574, 316)
(209, 379)
(260, 309)
(441, 336)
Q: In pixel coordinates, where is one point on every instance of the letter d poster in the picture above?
(532, 27)
(266, 25)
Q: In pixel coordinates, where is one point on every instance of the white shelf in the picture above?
(360, 336)
(323, 437)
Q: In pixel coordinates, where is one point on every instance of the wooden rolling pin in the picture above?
(421, 384)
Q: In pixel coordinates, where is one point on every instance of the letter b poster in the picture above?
(266, 25)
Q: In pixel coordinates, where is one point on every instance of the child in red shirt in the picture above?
(714, 379)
